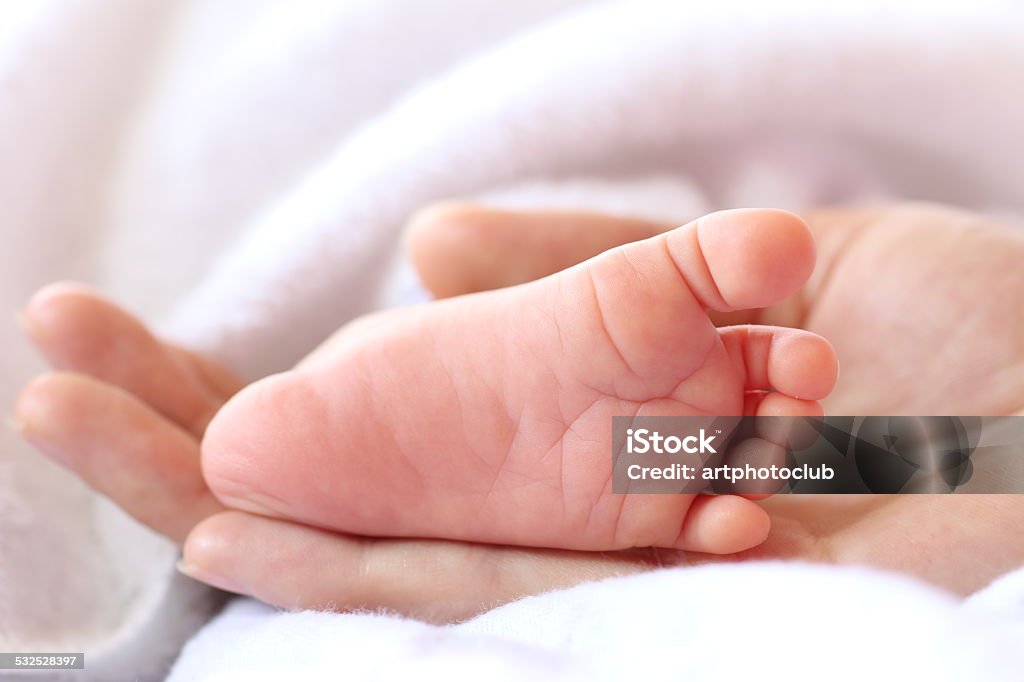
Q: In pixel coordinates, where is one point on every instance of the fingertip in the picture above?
(209, 539)
(209, 552)
(440, 241)
(724, 524)
(440, 216)
(278, 562)
(52, 300)
(28, 401)
(70, 323)
(50, 407)
(42, 399)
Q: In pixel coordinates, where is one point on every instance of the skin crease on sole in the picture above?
(535, 371)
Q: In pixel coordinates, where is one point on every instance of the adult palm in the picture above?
(923, 307)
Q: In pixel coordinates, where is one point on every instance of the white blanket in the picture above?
(771, 621)
(238, 171)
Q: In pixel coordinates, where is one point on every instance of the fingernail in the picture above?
(212, 579)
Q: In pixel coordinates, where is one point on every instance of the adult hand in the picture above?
(129, 419)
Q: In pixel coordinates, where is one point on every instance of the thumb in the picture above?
(462, 248)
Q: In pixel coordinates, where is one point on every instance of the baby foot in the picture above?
(488, 417)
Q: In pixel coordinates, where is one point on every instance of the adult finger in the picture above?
(120, 447)
(298, 567)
